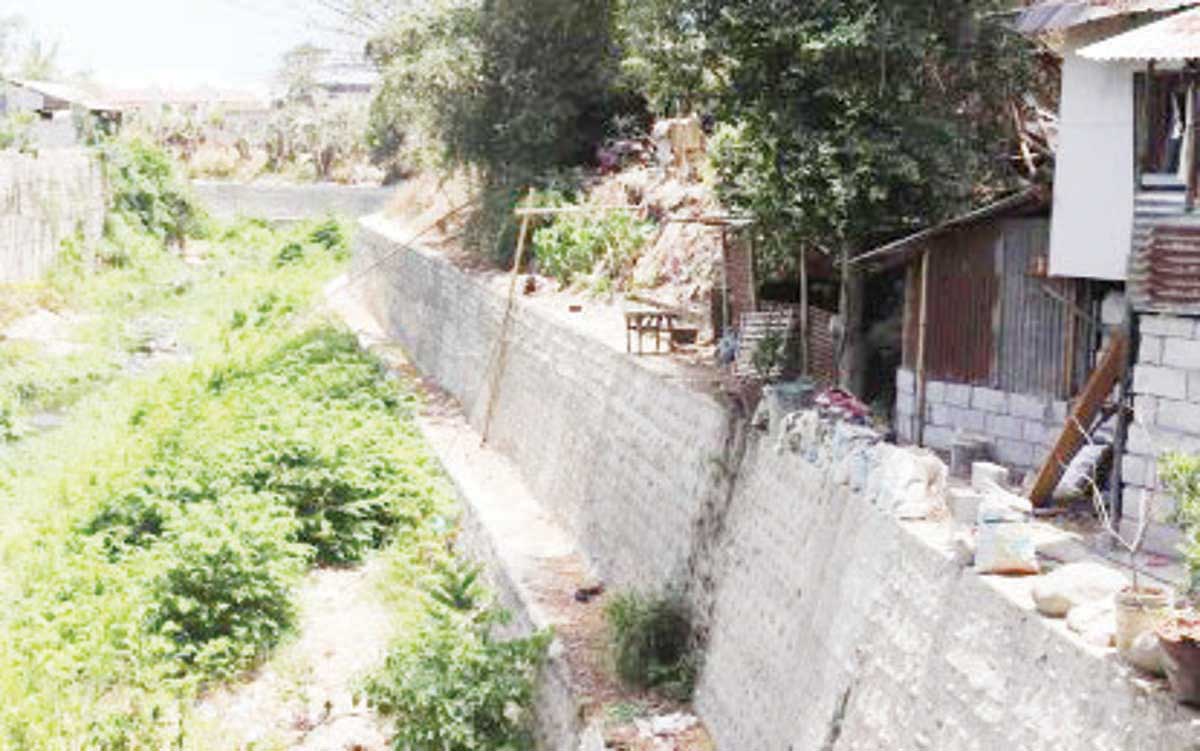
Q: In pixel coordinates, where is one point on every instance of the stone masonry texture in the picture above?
(827, 618)
(44, 200)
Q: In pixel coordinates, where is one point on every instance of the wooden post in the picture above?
(1193, 129)
(497, 374)
(1147, 117)
(753, 275)
(724, 281)
(805, 365)
(1116, 484)
(1069, 332)
(922, 328)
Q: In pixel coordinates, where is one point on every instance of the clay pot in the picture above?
(1179, 638)
(1138, 611)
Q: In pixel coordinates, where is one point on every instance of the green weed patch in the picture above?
(152, 544)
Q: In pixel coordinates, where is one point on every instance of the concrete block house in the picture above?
(1120, 249)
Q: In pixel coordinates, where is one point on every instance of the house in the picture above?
(992, 347)
(1125, 192)
(54, 105)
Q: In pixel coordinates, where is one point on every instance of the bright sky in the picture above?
(234, 43)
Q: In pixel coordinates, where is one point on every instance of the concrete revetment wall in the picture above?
(1022, 427)
(285, 202)
(831, 624)
(44, 200)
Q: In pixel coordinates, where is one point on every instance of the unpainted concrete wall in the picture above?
(286, 202)
(838, 627)
(44, 200)
(831, 624)
(625, 458)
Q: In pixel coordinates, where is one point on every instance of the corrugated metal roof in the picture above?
(1056, 15)
(1174, 38)
(898, 251)
(1164, 273)
(63, 92)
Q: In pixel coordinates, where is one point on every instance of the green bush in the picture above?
(329, 234)
(1180, 474)
(147, 186)
(152, 542)
(576, 245)
(651, 642)
(451, 686)
(224, 595)
(15, 131)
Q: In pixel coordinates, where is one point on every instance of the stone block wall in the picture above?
(626, 457)
(1166, 386)
(831, 624)
(1021, 427)
(837, 627)
(283, 202)
(44, 200)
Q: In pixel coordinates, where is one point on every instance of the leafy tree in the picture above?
(10, 26)
(848, 121)
(40, 60)
(29, 57)
(511, 89)
(299, 70)
(858, 119)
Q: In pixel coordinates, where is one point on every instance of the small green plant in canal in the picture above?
(651, 642)
(450, 684)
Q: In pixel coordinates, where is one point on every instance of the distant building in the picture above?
(55, 106)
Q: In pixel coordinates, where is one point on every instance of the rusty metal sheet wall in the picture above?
(963, 295)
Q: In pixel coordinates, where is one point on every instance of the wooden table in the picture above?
(646, 321)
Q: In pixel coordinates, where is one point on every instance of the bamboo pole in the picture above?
(922, 329)
(497, 375)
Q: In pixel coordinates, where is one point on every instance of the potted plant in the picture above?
(1140, 606)
(1179, 634)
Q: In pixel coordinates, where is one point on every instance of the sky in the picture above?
(232, 43)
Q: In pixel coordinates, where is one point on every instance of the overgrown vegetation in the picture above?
(149, 193)
(513, 90)
(15, 132)
(651, 641)
(838, 122)
(450, 683)
(603, 246)
(152, 543)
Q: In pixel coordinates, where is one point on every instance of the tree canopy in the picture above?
(839, 122)
(848, 120)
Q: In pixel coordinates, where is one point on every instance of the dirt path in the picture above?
(303, 698)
